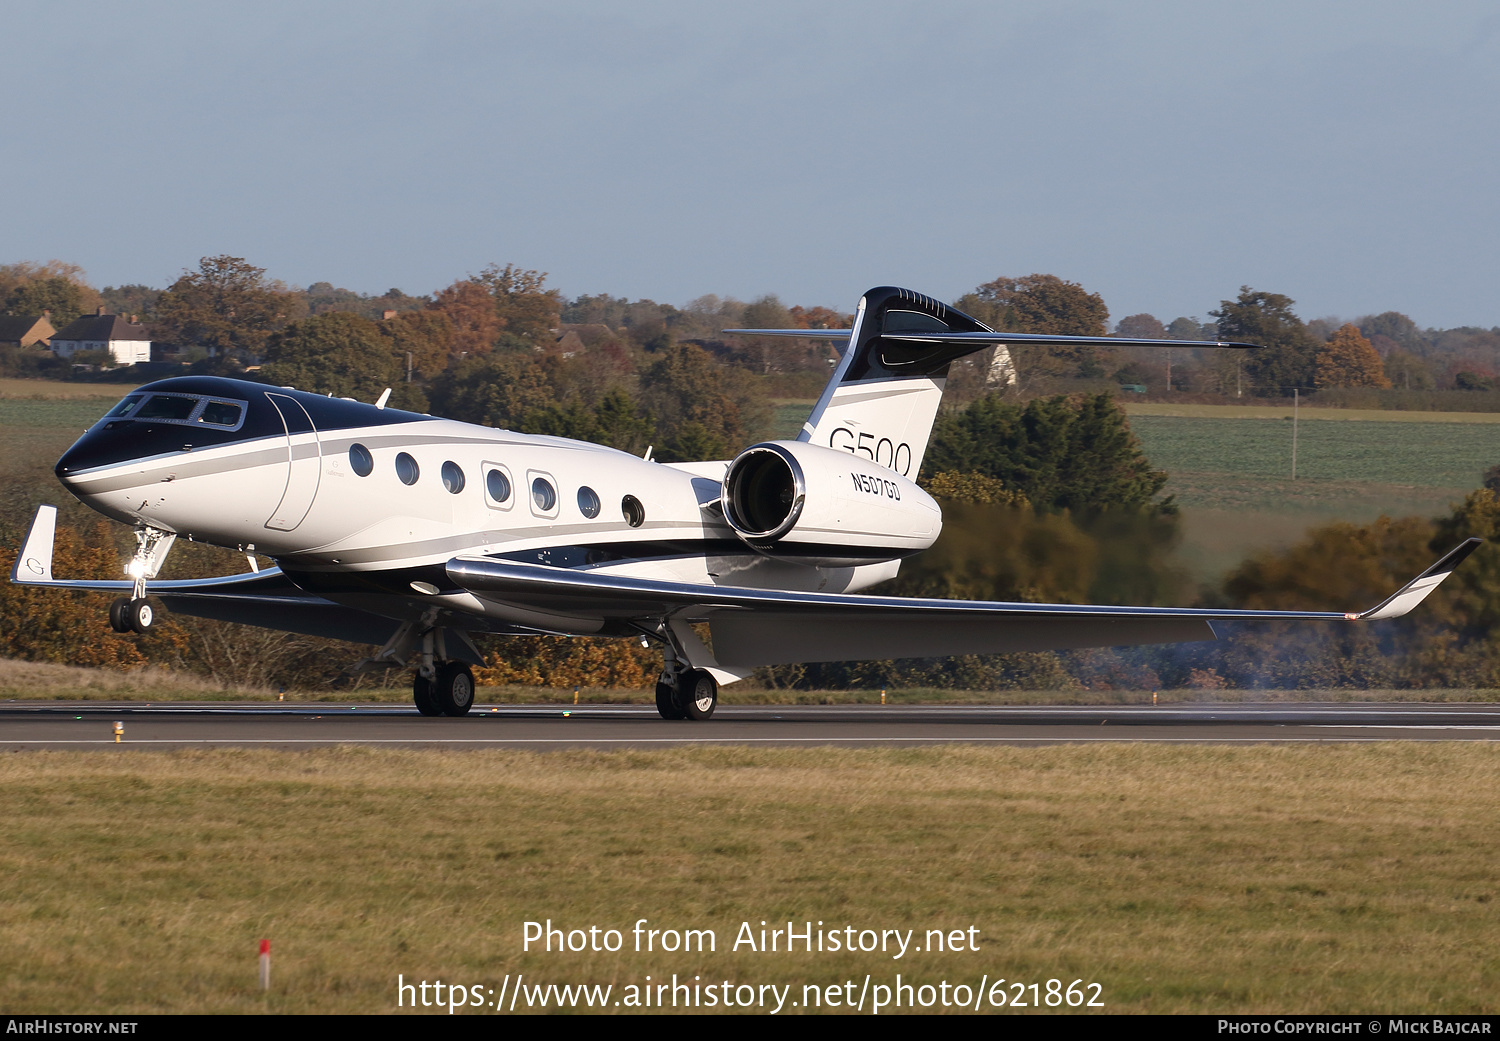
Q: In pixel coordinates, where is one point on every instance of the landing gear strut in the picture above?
(134, 614)
(682, 691)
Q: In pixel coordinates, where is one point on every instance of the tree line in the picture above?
(1047, 495)
(227, 314)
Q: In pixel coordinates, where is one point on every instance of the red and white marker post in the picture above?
(265, 965)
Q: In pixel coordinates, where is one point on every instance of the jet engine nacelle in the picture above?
(820, 506)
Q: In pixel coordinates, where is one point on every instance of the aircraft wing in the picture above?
(768, 627)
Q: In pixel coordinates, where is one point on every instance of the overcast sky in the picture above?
(1161, 154)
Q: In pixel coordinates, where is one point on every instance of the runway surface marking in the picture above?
(39, 725)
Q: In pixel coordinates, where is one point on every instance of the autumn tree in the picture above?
(1289, 356)
(226, 304)
(1407, 371)
(341, 354)
(1044, 304)
(133, 299)
(60, 296)
(702, 410)
(547, 394)
(1397, 328)
(1348, 360)
(29, 288)
(819, 318)
(500, 302)
(1188, 329)
(527, 310)
(1141, 327)
(427, 336)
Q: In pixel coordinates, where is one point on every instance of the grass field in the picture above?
(1354, 415)
(57, 390)
(1181, 879)
(1230, 470)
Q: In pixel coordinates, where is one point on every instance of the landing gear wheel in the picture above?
(666, 697)
(119, 619)
(139, 615)
(455, 688)
(700, 695)
(422, 694)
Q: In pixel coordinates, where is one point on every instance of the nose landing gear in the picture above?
(134, 614)
(131, 615)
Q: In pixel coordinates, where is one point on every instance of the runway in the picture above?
(90, 725)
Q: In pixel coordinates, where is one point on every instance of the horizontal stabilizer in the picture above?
(798, 334)
(978, 340)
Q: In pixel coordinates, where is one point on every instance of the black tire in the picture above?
(700, 695)
(119, 618)
(422, 695)
(666, 698)
(455, 688)
(139, 615)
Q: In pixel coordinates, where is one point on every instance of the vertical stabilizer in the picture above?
(884, 395)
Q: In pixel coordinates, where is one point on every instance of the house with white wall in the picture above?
(127, 342)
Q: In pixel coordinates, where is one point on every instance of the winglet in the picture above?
(33, 564)
(1415, 591)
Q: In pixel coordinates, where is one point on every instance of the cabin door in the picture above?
(304, 464)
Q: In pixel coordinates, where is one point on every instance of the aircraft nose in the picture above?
(101, 446)
(69, 464)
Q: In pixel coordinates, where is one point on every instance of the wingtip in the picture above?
(1417, 590)
(33, 564)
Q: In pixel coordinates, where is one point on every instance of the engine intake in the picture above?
(764, 493)
(820, 506)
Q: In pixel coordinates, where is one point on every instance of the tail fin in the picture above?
(884, 395)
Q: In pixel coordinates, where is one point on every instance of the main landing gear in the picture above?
(686, 694)
(448, 692)
(682, 691)
(442, 686)
(133, 613)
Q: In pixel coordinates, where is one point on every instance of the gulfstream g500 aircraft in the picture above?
(414, 532)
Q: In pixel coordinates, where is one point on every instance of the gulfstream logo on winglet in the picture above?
(875, 486)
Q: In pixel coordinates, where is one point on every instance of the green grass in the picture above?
(1284, 411)
(1232, 476)
(75, 414)
(1425, 455)
(1182, 879)
(787, 417)
(57, 389)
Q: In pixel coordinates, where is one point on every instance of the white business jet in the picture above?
(416, 533)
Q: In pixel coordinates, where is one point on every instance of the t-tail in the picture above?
(883, 397)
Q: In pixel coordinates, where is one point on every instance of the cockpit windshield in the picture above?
(185, 409)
